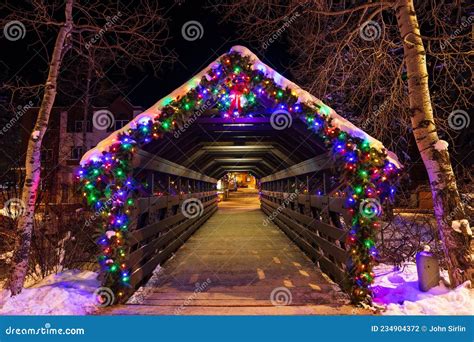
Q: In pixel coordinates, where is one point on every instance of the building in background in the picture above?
(67, 138)
(241, 180)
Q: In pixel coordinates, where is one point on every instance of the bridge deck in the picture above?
(231, 265)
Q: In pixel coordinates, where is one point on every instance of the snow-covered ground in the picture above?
(398, 292)
(72, 293)
(66, 293)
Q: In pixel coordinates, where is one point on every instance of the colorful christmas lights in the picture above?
(236, 89)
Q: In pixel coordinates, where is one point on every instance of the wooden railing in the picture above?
(317, 224)
(159, 228)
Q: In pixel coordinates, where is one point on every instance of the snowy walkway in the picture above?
(235, 265)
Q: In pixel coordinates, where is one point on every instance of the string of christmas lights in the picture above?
(236, 89)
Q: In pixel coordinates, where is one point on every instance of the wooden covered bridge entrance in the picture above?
(321, 181)
(235, 264)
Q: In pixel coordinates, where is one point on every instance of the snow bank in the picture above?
(397, 291)
(66, 293)
(441, 145)
(460, 225)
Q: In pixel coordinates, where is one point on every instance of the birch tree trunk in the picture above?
(434, 152)
(33, 158)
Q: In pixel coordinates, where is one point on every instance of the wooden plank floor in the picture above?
(232, 265)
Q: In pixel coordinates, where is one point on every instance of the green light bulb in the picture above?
(368, 243)
(324, 109)
(365, 145)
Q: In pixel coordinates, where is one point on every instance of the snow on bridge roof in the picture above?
(303, 95)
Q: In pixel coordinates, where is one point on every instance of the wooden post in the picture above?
(152, 183)
(325, 185)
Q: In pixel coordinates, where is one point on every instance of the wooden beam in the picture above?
(221, 170)
(238, 150)
(235, 121)
(149, 161)
(314, 164)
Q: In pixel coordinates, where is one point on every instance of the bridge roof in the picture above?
(303, 96)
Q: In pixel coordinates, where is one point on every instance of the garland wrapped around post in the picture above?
(236, 88)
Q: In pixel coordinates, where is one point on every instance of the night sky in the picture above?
(193, 56)
(26, 59)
